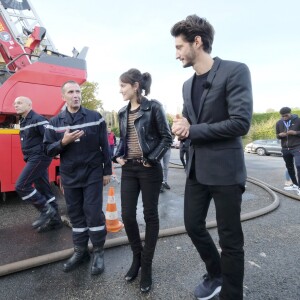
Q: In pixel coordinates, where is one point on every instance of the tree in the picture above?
(170, 118)
(111, 118)
(89, 91)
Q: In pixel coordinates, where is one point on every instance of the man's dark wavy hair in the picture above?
(194, 26)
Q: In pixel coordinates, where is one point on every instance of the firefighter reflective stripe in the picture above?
(80, 229)
(97, 228)
(75, 127)
(30, 195)
(51, 200)
(34, 125)
(111, 215)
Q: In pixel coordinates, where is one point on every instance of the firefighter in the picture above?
(32, 128)
(79, 135)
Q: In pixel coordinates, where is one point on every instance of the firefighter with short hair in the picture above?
(32, 128)
(79, 135)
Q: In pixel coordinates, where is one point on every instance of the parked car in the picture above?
(264, 147)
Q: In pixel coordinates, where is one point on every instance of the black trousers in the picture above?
(84, 206)
(136, 178)
(290, 157)
(230, 265)
(184, 151)
(35, 172)
(43, 186)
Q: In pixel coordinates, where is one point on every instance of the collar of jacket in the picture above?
(145, 105)
(67, 118)
(193, 117)
(28, 116)
(212, 72)
(293, 117)
(63, 114)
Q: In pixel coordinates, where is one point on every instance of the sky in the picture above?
(121, 35)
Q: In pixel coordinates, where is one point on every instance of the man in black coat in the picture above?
(217, 112)
(288, 131)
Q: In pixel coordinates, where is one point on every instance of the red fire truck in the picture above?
(29, 66)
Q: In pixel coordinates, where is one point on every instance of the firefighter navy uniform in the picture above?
(32, 129)
(83, 164)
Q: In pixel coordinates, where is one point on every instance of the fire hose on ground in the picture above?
(120, 241)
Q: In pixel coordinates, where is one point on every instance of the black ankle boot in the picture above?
(98, 261)
(80, 255)
(134, 269)
(47, 213)
(52, 224)
(146, 278)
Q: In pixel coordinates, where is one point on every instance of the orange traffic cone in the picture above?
(112, 222)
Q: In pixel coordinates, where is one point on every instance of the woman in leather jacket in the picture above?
(144, 138)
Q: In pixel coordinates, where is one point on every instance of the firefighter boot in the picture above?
(81, 254)
(52, 224)
(47, 212)
(98, 261)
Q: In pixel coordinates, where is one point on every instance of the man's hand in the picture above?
(70, 137)
(121, 161)
(147, 165)
(181, 127)
(291, 132)
(106, 179)
(282, 134)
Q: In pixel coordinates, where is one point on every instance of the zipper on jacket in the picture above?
(143, 128)
(161, 152)
(138, 134)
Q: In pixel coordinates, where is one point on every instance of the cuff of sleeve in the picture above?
(107, 173)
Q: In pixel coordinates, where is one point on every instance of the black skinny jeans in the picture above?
(136, 178)
(228, 208)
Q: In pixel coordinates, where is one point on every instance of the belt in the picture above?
(135, 160)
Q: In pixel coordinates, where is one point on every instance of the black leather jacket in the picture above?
(153, 131)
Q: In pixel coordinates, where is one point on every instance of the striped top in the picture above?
(134, 149)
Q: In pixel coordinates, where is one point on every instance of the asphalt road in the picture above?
(271, 249)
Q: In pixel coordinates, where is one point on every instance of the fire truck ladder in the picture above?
(21, 19)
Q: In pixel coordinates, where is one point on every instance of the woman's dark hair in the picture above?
(194, 26)
(133, 75)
